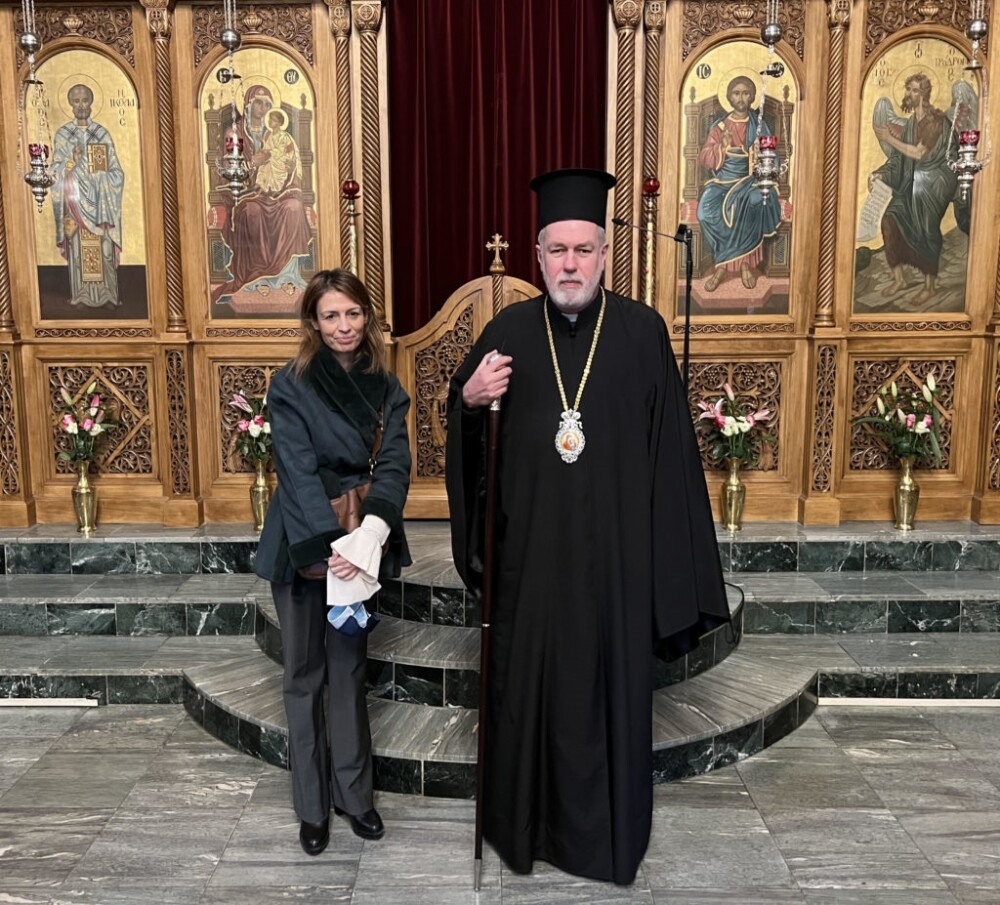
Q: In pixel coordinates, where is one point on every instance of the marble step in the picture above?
(439, 664)
(713, 719)
(761, 547)
(760, 693)
(873, 602)
(793, 603)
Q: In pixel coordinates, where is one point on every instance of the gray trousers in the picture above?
(329, 753)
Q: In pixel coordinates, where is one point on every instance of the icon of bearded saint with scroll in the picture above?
(918, 147)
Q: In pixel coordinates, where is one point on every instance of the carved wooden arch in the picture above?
(217, 56)
(80, 42)
(788, 55)
(921, 30)
(425, 363)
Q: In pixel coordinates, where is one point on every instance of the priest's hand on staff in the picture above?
(489, 381)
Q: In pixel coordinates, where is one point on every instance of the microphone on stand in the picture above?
(679, 236)
(684, 236)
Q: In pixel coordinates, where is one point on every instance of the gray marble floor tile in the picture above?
(864, 870)
(114, 891)
(38, 849)
(924, 778)
(899, 650)
(181, 846)
(17, 755)
(123, 727)
(413, 855)
(186, 779)
(46, 587)
(130, 589)
(877, 727)
(103, 652)
(854, 585)
(54, 781)
(806, 778)
(722, 788)
(810, 734)
(566, 893)
(21, 651)
(264, 848)
(752, 896)
(963, 847)
(437, 895)
(905, 896)
(33, 722)
(975, 729)
(829, 831)
(276, 895)
(714, 848)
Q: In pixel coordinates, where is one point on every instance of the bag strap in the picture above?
(377, 443)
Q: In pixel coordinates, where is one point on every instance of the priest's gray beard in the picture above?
(573, 300)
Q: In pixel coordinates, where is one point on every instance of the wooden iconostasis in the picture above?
(863, 265)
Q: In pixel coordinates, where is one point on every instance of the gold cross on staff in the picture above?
(496, 245)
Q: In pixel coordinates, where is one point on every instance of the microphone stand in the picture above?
(684, 235)
(688, 276)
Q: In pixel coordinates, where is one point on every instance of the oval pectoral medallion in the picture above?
(569, 438)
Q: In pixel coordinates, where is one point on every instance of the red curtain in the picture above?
(483, 95)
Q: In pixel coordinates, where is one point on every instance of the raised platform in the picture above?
(168, 616)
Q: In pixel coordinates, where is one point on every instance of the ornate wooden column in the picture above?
(158, 20)
(340, 26)
(654, 16)
(15, 508)
(839, 16)
(627, 14)
(367, 15)
(6, 305)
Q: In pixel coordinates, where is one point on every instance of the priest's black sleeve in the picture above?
(689, 594)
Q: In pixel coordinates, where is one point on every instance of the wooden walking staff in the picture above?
(489, 558)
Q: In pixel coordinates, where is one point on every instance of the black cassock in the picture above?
(599, 562)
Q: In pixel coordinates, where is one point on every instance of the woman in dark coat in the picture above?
(326, 407)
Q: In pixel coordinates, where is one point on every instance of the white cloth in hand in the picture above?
(361, 548)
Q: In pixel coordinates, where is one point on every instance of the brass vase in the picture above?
(907, 495)
(84, 501)
(734, 494)
(260, 496)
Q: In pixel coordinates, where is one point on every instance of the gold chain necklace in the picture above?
(569, 438)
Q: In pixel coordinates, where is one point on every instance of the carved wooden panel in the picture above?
(93, 332)
(994, 461)
(108, 25)
(885, 19)
(292, 25)
(910, 326)
(253, 332)
(125, 388)
(869, 376)
(705, 18)
(826, 390)
(10, 482)
(434, 368)
(744, 328)
(250, 380)
(758, 381)
(177, 413)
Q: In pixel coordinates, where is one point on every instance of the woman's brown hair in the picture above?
(344, 281)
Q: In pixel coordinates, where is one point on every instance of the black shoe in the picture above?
(368, 825)
(313, 837)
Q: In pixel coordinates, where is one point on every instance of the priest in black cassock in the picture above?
(606, 550)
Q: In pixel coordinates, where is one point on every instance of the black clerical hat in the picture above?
(572, 195)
